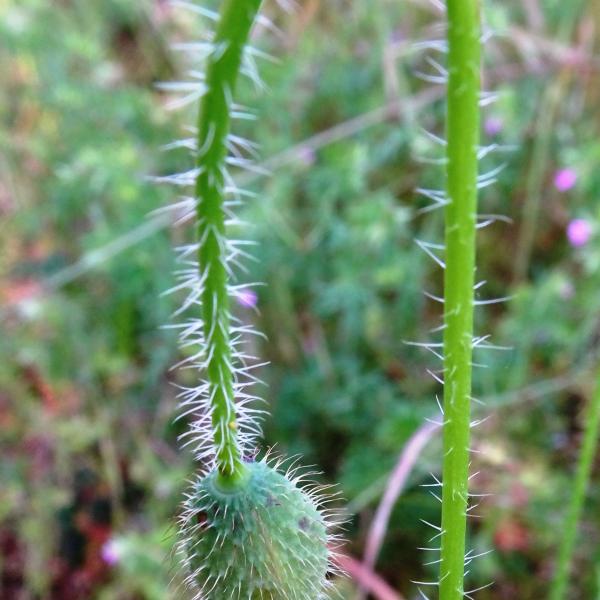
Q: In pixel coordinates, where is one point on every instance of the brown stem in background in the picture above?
(395, 485)
(367, 578)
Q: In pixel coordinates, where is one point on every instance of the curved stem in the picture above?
(462, 127)
(224, 64)
(582, 478)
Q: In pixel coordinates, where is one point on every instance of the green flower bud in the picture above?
(265, 539)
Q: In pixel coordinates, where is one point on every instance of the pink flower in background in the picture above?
(111, 552)
(247, 298)
(565, 179)
(579, 232)
(493, 125)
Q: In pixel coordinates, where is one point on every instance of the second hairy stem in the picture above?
(460, 216)
(236, 20)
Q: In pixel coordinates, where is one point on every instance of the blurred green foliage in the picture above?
(91, 474)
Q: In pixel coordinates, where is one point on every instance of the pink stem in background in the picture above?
(395, 485)
(366, 578)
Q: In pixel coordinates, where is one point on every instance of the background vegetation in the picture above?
(91, 472)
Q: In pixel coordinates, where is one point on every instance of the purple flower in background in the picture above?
(579, 232)
(565, 179)
(247, 298)
(493, 125)
(111, 552)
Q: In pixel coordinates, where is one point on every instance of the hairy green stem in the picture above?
(462, 129)
(224, 64)
(582, 478)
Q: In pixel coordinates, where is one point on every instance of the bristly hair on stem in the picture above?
(247, 530)
(213, 130)
(224, 423)
(459, 156)
(462, 130)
